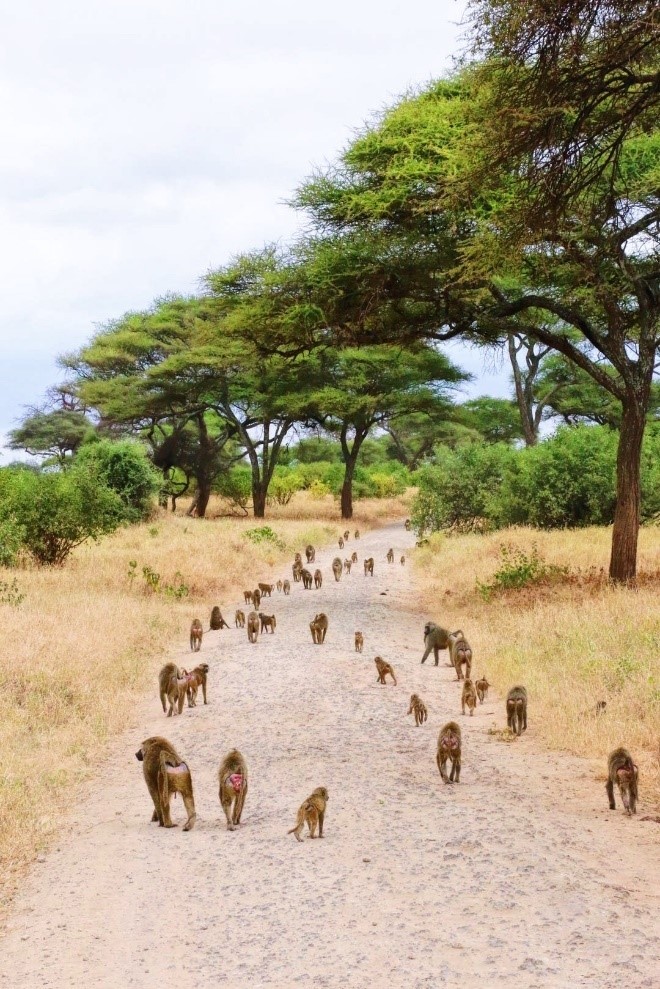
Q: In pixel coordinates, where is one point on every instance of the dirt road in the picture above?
(518, 875)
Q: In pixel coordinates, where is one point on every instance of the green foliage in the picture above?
(154, 584)
(12, 537)
(264, 534)
(283, 486)
(519, 569)
(10, 593)
(236, 486)
(58, 511)
(124, 467)
(55, 433)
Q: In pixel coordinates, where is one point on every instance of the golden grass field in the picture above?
(86, 641)
(571, 644)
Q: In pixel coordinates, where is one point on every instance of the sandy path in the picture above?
(519, 874)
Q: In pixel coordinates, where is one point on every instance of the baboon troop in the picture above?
(383, 670)
(369, 566)
(233, 787)
(286, 587)
(196, 679)
(337, 568)
(347, 566)
(622, 771)
(239, 619)
(418, 708)
(461, 655)
(256, 597)
(354, 558)
(341, 543)
(359, 642)
(268, 623)
(516, 710)
(307, 579)
(482, 689)
(217, 621)
(165, 774)
(449, 748)
(253, 626)
(310, 553)
(318, 579)
(311, 812)
(196, 633)
(318, 627)
(468, 697)
(266, 589)
(390, 556)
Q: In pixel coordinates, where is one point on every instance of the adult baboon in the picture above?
(383, 670)
(357, 534)
(390, 555)
(279, 585)
(286, 587)
(196, 633)
(233, 787)
(165, 773)
(461, 654)
(402, 561)
(482, 689)
(354, 557)
(347, 565)
(239, 618)
(256, 598)
(346, 535)
(318, 579)
(265, 589)
(449, 747)
(268, 623)
(359, 641)
(516, 710)
(369, 566)
(622, 771)
(318, 627)
(436, 638)
(406, 525)
(196, 679)
(468, 697)
(172, 686)
(252, 626)
(297, 558)
(310, 553)
(418, 708)
(307, 579)
(296, 571)
(312, 813)
(247, 597)
(337, 568)
(217, 621)
(340, 542)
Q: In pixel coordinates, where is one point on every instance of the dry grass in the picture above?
(86, 640)
(571, 644)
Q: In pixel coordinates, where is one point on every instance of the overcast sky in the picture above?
(144, 142)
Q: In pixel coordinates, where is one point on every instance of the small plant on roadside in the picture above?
(519, 569)
(10, 593)
(154, 584)
(264, 534)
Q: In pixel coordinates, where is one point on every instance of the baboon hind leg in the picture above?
(321, 816)
(609, 786)
(164, 795)
(227, 807)
(189, 804)
(238, 806)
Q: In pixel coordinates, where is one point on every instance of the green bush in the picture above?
(236, 486)
(519, 569)
(12, 538)
(283, 485)
(125, 468)
(264, 534)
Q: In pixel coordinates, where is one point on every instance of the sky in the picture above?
(144, 143)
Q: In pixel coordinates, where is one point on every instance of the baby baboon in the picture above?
(252, 626)
(622, 770)
(402, 561)
(266, 589)
(516, 710)
(347, 565)
(311, 812)
(482, 689)
(346, 535)
(461, 654)
(468, 697)
(418, 708)
(256, 597)
(449, 747)
(318, 628)
(341, 543)
(196, 679)
(267, 622)
(337, 568)
(318, 579)
(296, 571)
(217, 621)
(165, 773)
(233, 781)
(247, 597)
(310, 553)
(239, 618)
(435, 638)
(406, 525)
(369, 566)
(354, 557)
(390, 556)
(297, 558)
(172, 686)
(359, 642)
(196, 633)
(357, 534)
(279, 586)
(286, 587)
(307, 579)
(383, 670)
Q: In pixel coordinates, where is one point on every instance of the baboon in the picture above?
(601, 707)
(337, 568)
(402, 561)
(347, 565)
(286, 587)
(357, 534)
(165, 774)
(390, 556)
(252, 626)
(341, 543)
(196, 633)
(256, 598)
(383, 670)
(516, 710)
(482, 689)
(307, 579)
(310, 553)
(622, 770)
(279, 586)
(461, 653)
(406, 525)
(196, 679)
(318, 628)
(318, 579)
(247, 597)
(217, 621)
(346, 535)
(418, 708)
(354, 557)
(233, 784)
(311, 812)
(369, 566)
(267, 622)
(172, 686)
(266, 589)
(168, 671)
(239, 618)
(297, 558)
(436, 638)
(449, 747)
(359, 641)
(296, 571)
(468, 697)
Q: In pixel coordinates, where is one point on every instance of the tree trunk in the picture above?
(347, 491)
(201, 499)
(530, 433)
(623, 559)
(258, 500)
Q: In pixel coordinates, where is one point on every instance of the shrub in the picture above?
(236, 486)
(125, 468)
(519, 569)
(283, 486)
(12, 536)
(264, 534)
